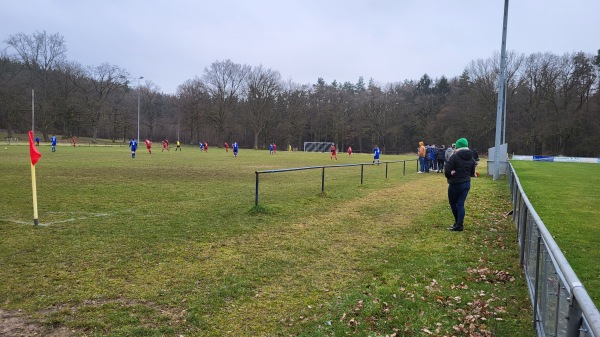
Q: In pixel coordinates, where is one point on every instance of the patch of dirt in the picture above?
(16, 324)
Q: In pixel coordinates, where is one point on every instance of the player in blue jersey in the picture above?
(235, 149)
(133, 146)
(376, 153)
(53, 141)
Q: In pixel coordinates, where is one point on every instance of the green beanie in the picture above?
(462, 143)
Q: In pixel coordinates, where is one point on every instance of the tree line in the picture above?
(553, 104)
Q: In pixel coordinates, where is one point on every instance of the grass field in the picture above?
(170, 244)
(566, 197)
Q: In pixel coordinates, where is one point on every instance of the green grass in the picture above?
(565, 196)
(171, 244)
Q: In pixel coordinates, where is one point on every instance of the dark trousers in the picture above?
(440, 165)
(457, 194)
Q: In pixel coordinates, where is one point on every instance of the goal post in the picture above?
(317, 146)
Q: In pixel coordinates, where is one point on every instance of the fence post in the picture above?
(323, 180)
(362, 167)
(574, 317)
(523, 231)
(256, 194)
(386, 170)
(404, 170)
(537, 281)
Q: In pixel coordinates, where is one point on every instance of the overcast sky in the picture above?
(171, 41)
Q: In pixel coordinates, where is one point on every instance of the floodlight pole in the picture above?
(138, 128)
(501, 96)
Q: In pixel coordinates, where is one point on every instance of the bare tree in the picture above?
(40, 53)
(225, 83)
(104, 81)
(263, 86)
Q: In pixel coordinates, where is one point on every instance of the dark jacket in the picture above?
(463, 165)
(441, 154)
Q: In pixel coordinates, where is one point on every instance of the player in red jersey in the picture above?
(205, 147)
(226, 147)
(333, 152)
(148, 145)
(349, 151)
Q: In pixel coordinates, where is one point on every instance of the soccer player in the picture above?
(333, 153)
(73, 141)
(349, 151)
(37, 141)
(376, 153)
(235, 149)
(205, 147)
(178, 146)
(271, 148)
(133, 146)
(148, 145)
(226, 147)
(274, 148)
(53, 141)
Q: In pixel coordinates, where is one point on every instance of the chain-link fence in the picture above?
(561, 305)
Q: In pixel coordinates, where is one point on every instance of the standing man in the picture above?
(459, 170)
(235, 149)
(376, 153)
(53, 141)
(349, 151)
(133, 146)
(441, 157)
(271, 148)
(226, 147)
(421, 154)
(449, 152)
(148, 145)
(37, 141)
(73, 141)
(178, 146)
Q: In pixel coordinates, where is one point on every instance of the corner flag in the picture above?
(33, 151)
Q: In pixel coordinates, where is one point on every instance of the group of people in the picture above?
(376, 153)
(53, 141)
(165, 146)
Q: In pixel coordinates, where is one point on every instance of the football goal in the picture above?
(317, 146)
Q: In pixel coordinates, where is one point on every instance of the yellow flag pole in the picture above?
(33, 187)
(34, 192)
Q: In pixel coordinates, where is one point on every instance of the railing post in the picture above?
(537, 281)
(362, 168)
(386, 170)
(323, 180)
(404, 170)
(574, 317)
(523, 231)
(256, 194)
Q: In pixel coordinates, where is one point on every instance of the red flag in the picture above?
(33, 151)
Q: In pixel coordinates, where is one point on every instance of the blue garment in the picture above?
(377, 152)
(53, 140)
(457, 195)
(133, 145)
(235, 148)
(421, 164)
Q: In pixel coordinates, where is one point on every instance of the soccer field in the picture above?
(171, 244)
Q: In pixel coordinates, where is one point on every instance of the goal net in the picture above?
(317, 146)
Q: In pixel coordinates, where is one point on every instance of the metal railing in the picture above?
(561, 305)
(362, 167)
